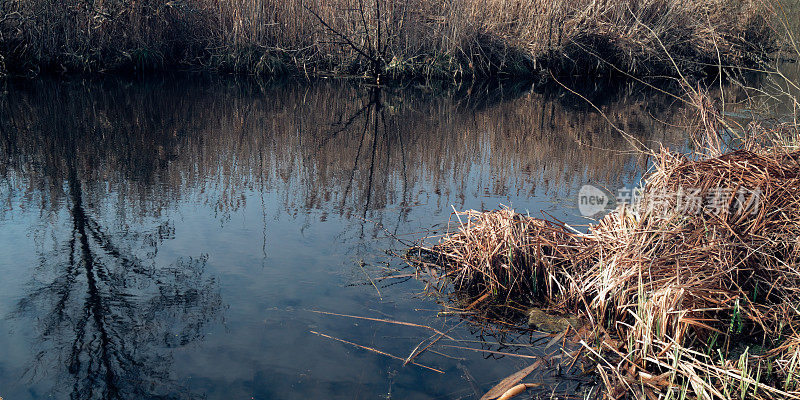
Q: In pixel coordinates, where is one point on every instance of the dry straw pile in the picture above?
(682, 298)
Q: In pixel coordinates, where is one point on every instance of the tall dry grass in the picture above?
(430, 38)
(678, 302)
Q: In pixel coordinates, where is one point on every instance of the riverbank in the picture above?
(391, 40)
(688, 292)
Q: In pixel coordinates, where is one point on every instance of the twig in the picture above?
(383, 353)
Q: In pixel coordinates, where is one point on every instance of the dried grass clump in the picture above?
(700, 301)
(730, 249)
(502, 255)
(694, 282)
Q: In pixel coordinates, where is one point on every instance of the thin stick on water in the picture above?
(415, 353)
(383, 353)
(361, 265)
(502, 353)
(388, 321)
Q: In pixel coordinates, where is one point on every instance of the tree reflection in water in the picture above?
(107, 319)
(106, 315)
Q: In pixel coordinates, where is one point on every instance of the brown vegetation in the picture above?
(419, 38)
(679, 301)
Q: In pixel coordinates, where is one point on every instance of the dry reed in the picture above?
(683, 298)
(396, 39)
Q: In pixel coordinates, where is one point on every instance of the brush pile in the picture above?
(693, 291)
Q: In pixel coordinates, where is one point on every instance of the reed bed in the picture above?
(502, 255)
(393, 39)
(691, 291)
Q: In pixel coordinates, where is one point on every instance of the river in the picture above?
(172, 237)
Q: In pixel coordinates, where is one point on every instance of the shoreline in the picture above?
(389, 41)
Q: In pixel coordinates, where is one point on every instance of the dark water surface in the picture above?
(166, 238)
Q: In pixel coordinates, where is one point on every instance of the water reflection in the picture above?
(104, 317)
(139, 198)
(338, 147)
